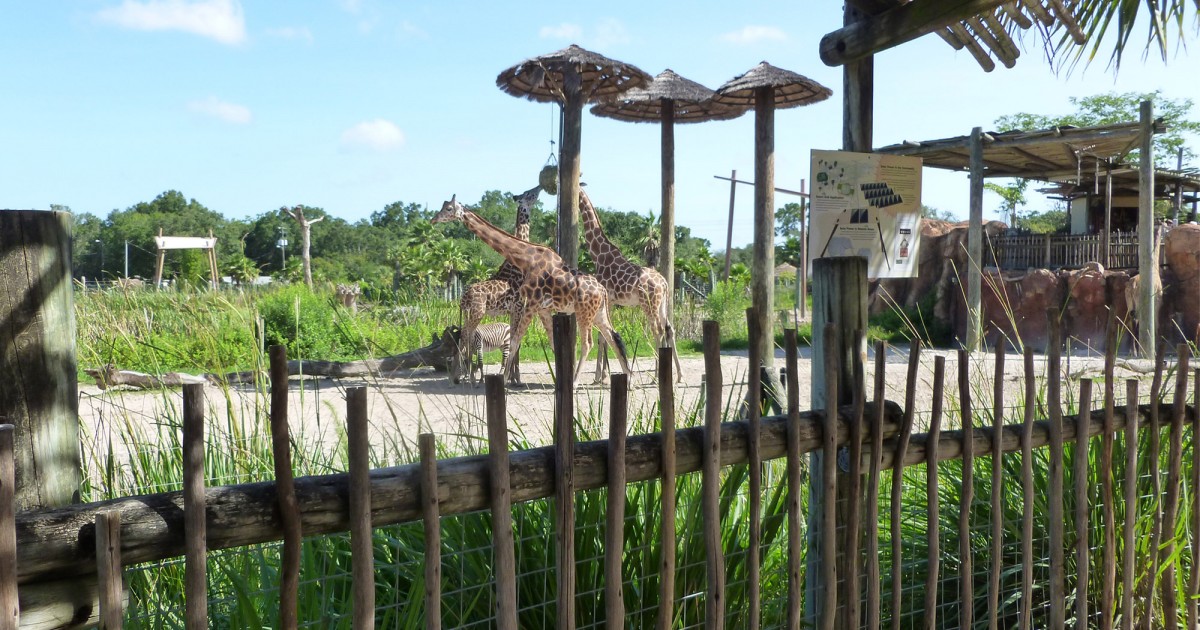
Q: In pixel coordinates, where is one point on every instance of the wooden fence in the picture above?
(1046, 251)
(873, 434)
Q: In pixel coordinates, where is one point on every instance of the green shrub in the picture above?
(304, 322)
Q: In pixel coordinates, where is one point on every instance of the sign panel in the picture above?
(868, 205)
(184, 242)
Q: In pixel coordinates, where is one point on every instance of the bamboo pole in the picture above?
(10, 613)
(906, 426)
(666, 405)
(828, 524)
(1082, 505)
(564, 466)
(754, 468)
(933, 512)
(431, 519)
(874, 580)
(362, 551)
(109, 570)
(1171, 512)
(1055, 510)
(614, 526)
(500, 496)
(714, 602)
(195, 585)
(997, 559)
(966, 577)
(1027, 558)
(289, 508)
(1156, 502)
(795, 609)
(1108, 570)
(1129, 559)
(854, 493)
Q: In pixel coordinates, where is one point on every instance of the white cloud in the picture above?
(221, 20)
(299, 33)
(562, 31)
(374, 135)
(408, 30)
(214, 107)
(351, 6)
(754, 35)
(609, 32)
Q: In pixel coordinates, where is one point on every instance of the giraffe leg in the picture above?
(471, 321)
(613, 338)
(583, 322)
(521, 320)
(601, 352)
(548, 324)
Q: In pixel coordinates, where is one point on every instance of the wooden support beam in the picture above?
(985, 35)
(897, 26)
(1014, 13)
(1147, 314)
(981, 56)
(975, 245)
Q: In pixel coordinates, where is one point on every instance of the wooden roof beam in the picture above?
(1015, 14)
(985, 35)
(897, 26)
(981, 57)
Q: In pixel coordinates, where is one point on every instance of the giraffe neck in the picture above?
(514, 250)
(593, 235)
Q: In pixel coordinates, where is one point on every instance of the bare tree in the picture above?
(297, 213)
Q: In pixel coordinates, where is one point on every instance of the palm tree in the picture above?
(649, 239)
(1101, 20)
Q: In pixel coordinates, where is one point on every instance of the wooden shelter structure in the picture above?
(164, 243)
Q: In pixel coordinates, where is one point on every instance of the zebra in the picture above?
(488, 337)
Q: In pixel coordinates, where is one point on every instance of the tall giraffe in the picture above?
(628, 284)
(547, 286)
(498, 294)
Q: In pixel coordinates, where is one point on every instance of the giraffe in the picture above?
(547, 286)
(628, 284)
(497, 295)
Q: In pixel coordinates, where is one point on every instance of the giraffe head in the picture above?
(525, 203)
(451, 211)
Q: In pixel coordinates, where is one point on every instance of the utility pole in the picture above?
(127, 260)
(282, 245)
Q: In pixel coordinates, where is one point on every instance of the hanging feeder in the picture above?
(548, 178)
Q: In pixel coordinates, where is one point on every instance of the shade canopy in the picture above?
(542, 78)
(689, 101)
(791, 89)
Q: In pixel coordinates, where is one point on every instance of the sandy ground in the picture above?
(424, 400)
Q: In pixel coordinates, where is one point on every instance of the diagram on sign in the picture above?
(867, 205)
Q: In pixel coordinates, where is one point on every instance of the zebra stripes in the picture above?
(486, 338)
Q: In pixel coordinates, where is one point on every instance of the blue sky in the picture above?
(350, 105)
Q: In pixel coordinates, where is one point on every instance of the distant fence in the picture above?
(917, 555)
(1048, 251)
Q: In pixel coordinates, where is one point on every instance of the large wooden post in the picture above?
(975, 244)
(1147, 252)
(762, 273)
(839, 297)
(729, 231)
(568, 170)
(37, 356)
(1107, 216)
(666, 245)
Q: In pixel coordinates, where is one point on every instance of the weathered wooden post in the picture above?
(1147, 253)
(37, 356)
(975, 244)
(839, 297)
(564, 466)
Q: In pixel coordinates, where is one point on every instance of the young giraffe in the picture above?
(548, 286)
(628, 284)
(498, 294)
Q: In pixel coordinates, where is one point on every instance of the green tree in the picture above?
(929, 212)
(787, 219)
(1113, 22)
(1012, 197)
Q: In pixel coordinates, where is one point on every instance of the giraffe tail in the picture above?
(620, 344)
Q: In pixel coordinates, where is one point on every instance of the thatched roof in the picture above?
(690, 101)
(791, 89)
(541, 78)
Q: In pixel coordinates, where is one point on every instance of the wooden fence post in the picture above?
(840, 298)
(828, 523)
(794, 479)
(997, 546)
(362, 551)
(1082, 504)
(754, 468)
(37, 356)
(1174, 466)
(10, 613)
(564, 466)
(285, 488)
(666, 406)
(874, 579)
(1027, 498)
(933, 513)
(710, 493)
(501, 504)
(109, 569)
(194, 507)
(902, 441)
(431, 520)
(966, 577)
(614, 527)
(1129, 569)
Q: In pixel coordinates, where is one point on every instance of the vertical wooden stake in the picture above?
(1129, 559)
(501, 504)
(1082, 504)
(1054, 395)
(714, 606)
(874, 580)
(828, 524)
(1027, 498)
(1156, 501)
(195, 577)
(362, 551)
(564, 466)
(10, 613)
(1108, 569)
(906, 427)
(966, 577)
(1194, 480)
(729, 233)
(108, 569)
(795, 560)
(285, 489)
(1174, 466)
(854, 493)
(754, 466)
(997, 560)
(614, 528)
(431, 519)
(933, 519)
(666, 405)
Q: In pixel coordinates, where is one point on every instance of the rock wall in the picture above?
(1016, 304)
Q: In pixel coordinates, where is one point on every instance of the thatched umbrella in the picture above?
(766, 88)
(668, 99)
(570, 77)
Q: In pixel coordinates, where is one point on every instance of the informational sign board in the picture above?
(184, 242)
(868, 205)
